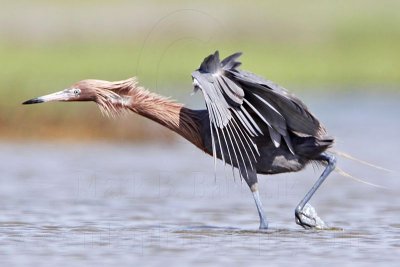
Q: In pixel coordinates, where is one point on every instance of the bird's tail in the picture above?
(345, 174)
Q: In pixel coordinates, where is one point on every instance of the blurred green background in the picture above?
(45, 46)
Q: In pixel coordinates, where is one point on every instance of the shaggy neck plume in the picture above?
(118, 96)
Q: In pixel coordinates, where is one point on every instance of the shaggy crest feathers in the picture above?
(113, 97)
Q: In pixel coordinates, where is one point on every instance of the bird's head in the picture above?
(86, 90)
(110, 96)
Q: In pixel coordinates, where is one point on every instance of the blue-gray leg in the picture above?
(261, 214)
(305, 214)
(252, 182)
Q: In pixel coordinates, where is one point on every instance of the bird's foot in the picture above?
(263, 225)
(308, 218)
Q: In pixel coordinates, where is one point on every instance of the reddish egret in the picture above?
(250, 123)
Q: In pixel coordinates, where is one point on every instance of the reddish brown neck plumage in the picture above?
(166, 112)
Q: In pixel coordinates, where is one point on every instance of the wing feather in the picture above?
(245, 123)
(243, 106)
(298, 117)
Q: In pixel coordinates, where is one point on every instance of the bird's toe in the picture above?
(308, 218)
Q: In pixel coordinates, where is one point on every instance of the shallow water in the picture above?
(121, 204)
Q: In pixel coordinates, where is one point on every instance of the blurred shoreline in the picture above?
(83, 122)
(324, 47)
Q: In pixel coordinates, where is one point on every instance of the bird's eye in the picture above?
(77, 92)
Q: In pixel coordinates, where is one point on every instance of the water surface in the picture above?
(128, 204)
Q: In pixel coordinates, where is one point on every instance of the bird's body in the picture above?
(272, 160)
(249, 122)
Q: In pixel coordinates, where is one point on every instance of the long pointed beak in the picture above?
(59, 96)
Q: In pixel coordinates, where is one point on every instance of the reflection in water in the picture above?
(110, 203)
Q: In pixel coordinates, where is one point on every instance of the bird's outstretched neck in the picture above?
(163, 110)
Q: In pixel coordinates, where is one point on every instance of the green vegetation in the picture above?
(346, 45)
(307, 65)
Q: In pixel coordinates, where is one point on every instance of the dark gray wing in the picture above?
(231, 126)
(296, 114)
(242, 105)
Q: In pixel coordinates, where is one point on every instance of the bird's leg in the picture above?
(261, 214)
(306, 215)
(252, 182)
